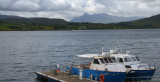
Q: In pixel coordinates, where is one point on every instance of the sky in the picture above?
(68, 9)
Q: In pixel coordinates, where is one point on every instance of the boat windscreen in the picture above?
(137, 58)
(127, 59)
(133, 58)
(114, 60)
(120, 60)
(106, 60)
(96, 61)
(102, 61)
(110, 60)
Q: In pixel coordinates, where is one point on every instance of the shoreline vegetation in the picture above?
(46, 24)
(70, 26)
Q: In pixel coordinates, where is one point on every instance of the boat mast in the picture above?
(103, 50)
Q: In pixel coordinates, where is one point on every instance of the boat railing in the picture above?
(63, 67)
(79, 62)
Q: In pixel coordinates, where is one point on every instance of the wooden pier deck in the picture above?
(47, 76)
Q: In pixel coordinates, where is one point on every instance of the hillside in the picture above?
(153, 21)
(150, 22)
(22, 20)
(102, 18)
(21, 23)
(8, 16)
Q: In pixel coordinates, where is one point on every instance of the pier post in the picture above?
(80, 74)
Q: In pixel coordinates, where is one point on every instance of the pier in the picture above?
(48, 76)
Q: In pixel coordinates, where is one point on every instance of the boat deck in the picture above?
(47, 76)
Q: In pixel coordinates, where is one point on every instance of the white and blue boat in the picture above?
(113, 67)
(98, 70)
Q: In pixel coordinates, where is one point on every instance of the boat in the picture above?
(124, 63)
(97, 70)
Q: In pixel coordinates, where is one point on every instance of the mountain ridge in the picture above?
(102, 18)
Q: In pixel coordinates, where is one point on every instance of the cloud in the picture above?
(143, 8)
(54, 5)
(24, 6)
(68, 9)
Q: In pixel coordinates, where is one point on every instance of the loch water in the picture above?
(24, 52)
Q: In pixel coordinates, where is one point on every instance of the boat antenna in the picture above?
(115, 47)
(103, 50)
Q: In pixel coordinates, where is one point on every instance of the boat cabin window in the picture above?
(106, 60)
(114, 60)
(120, 60)
(127, 59)
(96, 61)
(133, 58)
(110, 60)
(102, 61)
(137, 58)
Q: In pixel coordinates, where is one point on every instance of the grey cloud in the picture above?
(54, 5)
(5, 4)
(51, 5)
(18, 5)
(33, 5)
(24, 6)
(147, 0)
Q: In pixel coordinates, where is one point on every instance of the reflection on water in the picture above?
(25, 52)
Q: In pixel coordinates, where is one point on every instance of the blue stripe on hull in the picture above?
(109, 76)
(140, 74)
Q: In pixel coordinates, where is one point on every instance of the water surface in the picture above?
(24, 52)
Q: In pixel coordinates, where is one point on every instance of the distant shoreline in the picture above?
(83, 30)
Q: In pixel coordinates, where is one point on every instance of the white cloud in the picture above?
(24, 6)
(67, 9)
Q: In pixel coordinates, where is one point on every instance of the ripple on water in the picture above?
(18, 67)
(12, 54)
(8, 80)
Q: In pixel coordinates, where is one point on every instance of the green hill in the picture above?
(38, 21)
(21, 23)
(150, 22)
(153, 21)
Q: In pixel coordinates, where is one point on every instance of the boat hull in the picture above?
(140, 75)
(94, 74)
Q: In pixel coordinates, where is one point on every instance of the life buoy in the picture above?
(102, 78)
(89, 64)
